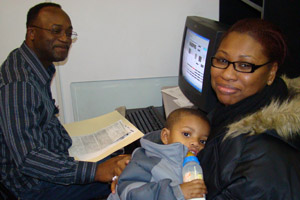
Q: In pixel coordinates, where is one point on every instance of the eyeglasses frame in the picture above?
(74, 34)
(254, 67)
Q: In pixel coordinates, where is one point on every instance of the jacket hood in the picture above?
(174, 152)
(284, 117)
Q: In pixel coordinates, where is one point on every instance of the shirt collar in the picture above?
(43, 75)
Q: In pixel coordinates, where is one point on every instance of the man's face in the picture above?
(190, 130)
(51, 45)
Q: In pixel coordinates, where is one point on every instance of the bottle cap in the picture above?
(190, 159)
(190, 153)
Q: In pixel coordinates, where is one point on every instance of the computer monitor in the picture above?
(200, 41)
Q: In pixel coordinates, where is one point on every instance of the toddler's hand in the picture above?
(193, 189)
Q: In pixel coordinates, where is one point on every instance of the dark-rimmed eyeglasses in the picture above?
(57, 31)
(239, 66)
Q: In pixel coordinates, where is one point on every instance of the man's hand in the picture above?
(114, 184)
(113, 167)
(193, 189)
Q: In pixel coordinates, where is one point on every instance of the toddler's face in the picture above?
(190, 130)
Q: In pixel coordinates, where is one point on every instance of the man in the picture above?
(34, 162)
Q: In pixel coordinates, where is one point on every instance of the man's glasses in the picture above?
(244, 67)
(57, 31)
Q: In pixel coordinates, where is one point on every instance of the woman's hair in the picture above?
(266, 33)
(177, 114)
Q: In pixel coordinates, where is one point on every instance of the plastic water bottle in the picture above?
(192, 170)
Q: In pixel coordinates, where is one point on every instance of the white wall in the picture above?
(118, 39)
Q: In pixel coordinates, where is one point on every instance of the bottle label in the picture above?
(189, 176)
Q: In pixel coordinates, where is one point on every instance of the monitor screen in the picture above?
(194, 58)
(200, 41)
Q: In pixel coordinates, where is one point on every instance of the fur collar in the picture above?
(284, 118)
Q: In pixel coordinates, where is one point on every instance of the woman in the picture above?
(253, 151)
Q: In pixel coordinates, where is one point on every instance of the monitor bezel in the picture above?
(213, 31)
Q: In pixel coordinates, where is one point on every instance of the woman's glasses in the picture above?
(243, 67)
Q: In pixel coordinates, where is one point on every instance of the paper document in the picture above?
(180, 99)
(96, 138)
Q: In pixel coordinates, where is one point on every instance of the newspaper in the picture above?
(88, 146)
(94, 139)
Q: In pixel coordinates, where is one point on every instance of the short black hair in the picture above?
(175, 115)
(34, 11)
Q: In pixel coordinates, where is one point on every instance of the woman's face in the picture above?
(232, 86)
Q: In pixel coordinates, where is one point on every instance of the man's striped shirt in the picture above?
(33, 143)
